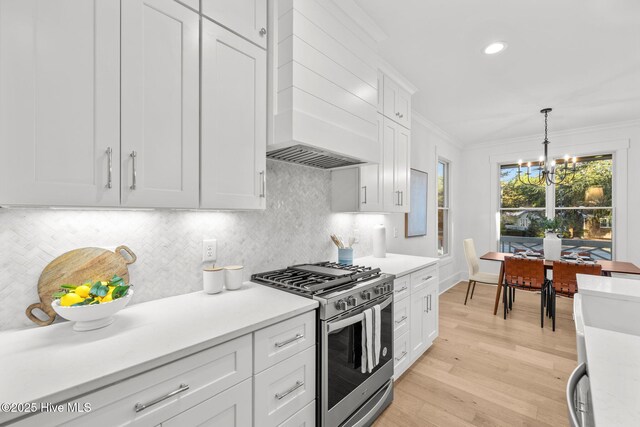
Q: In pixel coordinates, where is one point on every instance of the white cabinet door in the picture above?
(372, 180)
(418, 332)
(234, 121)
(160, 111)
(59, 102)
(431, 318)
(401, 167)
(396, 149)
(396, 102)
(245, 17)
(231, 408)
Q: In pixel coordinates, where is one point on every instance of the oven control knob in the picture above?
(366, 294)
(341, 305)
(378, 290)
(388, 287)
(351, 301)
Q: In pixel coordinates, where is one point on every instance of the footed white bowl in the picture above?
(90, 317)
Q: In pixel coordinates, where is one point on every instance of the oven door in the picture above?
(345, 387)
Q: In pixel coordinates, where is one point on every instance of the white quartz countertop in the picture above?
(396, 264)
(54, 363)
(609, 287)
(613, 363)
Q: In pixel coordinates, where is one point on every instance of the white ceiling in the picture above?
(580, 57)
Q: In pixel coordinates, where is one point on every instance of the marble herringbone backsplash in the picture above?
(294, 228)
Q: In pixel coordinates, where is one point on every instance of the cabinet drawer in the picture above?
(284, 389)
(401, 287)
(306, 417)
(401, 316)
(231, 408)
(282, 340)
(401, 354)
(206, 374)
(422, 278)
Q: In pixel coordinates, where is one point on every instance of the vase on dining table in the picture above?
(552, 245)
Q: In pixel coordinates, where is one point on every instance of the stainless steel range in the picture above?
(348, 395)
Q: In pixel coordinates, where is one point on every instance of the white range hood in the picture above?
(325, 86)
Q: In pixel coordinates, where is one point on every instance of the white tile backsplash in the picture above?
(294, 228)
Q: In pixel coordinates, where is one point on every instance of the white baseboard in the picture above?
(449, 282)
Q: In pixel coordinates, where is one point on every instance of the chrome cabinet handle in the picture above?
(263, 184)
(397, 114)
(142, 406)
(365, 195)
(109, 167)
(401, 198)
(404, 288)
(402, 356)
(282, 395)
(424, 279)
(429, 301)
(289, 341)
(402, 319)
(263, 32)
(401, 115)
(133, 159)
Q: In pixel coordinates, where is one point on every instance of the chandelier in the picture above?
(548, 172)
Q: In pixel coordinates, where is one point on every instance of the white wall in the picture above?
(427, 144)
(479, 162)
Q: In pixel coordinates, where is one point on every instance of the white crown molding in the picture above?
(362, 19)
(391, 71)
(561, 133)
(435, 129)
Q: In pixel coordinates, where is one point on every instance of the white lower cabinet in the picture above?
(284, 389)
(231, 408)
(415, 316)
(306, 417)
(214, 387)
(401, 354)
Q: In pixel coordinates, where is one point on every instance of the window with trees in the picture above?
(443, 208)
(582, 205)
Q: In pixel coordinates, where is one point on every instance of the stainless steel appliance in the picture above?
(347, 396)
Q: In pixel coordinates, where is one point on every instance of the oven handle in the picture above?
(333, 326)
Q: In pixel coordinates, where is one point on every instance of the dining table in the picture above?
(608, 267)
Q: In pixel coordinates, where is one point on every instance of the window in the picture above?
(444, 213)
(583, 205)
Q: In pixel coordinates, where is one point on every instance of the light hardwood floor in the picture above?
(487, 371)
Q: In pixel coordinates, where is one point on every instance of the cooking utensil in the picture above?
(75, 268)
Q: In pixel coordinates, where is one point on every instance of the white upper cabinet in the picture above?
(359, 189)
(245, 17)
(396, 102)
(59, 102)
(396, 148)
(234, 121)
(160, 111)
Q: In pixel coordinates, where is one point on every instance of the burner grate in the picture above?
(309, 279)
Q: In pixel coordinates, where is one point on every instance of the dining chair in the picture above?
(565, 282)
(475, 275)
(526, 274)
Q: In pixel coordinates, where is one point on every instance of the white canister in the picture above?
(552, 245)
(233, 277)
(379, 241)
(213, 279)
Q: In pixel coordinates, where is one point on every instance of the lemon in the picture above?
(70, 299)
(83, 291)
(107, 298)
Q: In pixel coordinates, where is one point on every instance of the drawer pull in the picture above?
(402, 356)
(424, 279)
(142, 406)
(402, 319)
(284, 394)
(289, 341)
(402, 289)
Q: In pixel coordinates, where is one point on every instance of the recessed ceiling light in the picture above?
(495, 47)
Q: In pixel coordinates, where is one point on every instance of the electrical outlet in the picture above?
(209, 250)
(395, 232)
